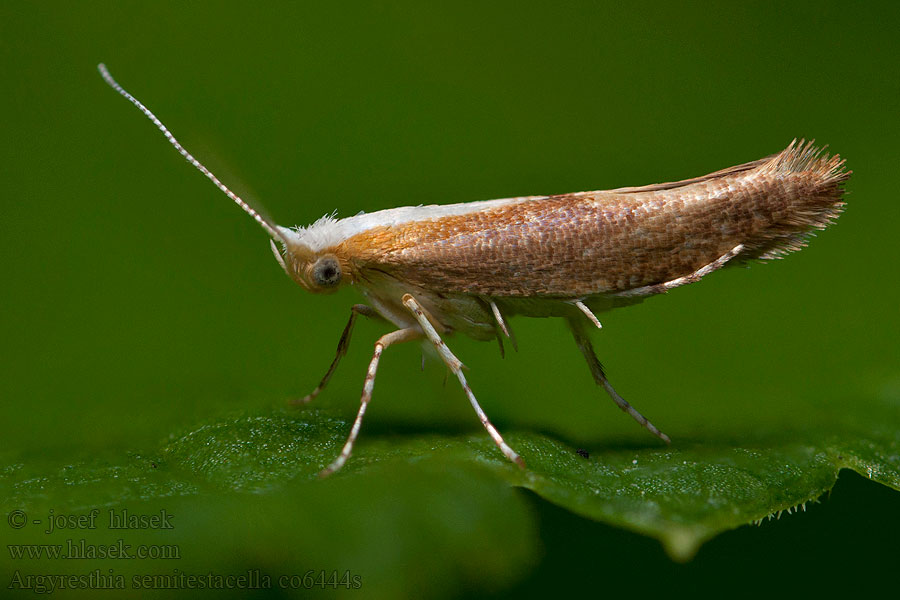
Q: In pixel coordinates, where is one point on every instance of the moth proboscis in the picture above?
(435, 270)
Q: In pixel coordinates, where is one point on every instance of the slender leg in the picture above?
(456, 366)
(501, 322)
(343, 345)
(500, 343)
(588, 313)
(661, 288)
(584, 344)
(395, 337)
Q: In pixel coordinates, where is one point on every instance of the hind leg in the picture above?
(587, 349)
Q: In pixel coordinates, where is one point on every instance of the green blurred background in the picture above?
(137, 300)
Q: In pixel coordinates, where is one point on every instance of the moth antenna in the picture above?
(270, 228)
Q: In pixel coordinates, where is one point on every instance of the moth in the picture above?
(432, 271)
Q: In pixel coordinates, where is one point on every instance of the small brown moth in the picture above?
(436, 270)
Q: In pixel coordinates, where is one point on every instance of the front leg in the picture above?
(343, 345)
(456, 366)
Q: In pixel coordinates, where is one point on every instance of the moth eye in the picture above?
(327, 272)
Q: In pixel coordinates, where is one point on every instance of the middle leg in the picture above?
(456, 366)
(395, 337)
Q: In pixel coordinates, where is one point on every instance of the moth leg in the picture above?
(395, 337)
(588, 313)
(661, 288)
(456, 366)
(501, 322)
(343, 345)
(587, 349)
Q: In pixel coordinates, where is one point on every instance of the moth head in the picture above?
(317, 272)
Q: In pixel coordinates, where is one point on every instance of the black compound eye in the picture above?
(327, 272)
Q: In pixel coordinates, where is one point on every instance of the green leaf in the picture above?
(443, 500)
(243, 496)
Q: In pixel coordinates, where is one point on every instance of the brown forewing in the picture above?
(577, 245)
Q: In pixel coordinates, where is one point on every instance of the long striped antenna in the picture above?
(271, 228)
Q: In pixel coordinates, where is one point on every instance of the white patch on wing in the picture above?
(329, 231)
